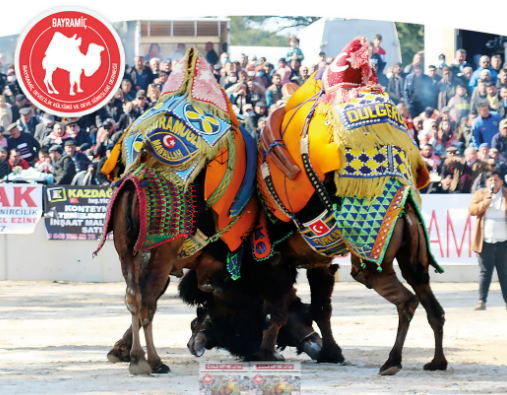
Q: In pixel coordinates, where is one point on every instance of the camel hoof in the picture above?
(331, 355)
(112, 357)
(161, 369)
(436, 365)
(312, 349)
(140, 368)
(389, 370)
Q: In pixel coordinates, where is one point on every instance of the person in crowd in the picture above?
(433, 161)
(140, 103)
(161, 80)
(502, 78)
(211, 55)
(484, 64)
(485, 126)
(445, 137)
(416, 60)
(24, 142)
(113, 109)
(493, 97)
(140, 75)
(43, 129)
(5, 167)
(432, 73)
(5, 112)
(446, 88)
(499, 140)
(252, 121)
(3, 139)
(483, 152)
(479, 95)
(489, 205)
(274, 91)
(57, 136)
(382, 79)
(85, 177)
(459, 63)
(496, 63)
(241, 97)
(154, 67)
(428, 132)
(126, 118)
(257, 91)
(64, 167)
(465, 132)
(395, 84)
(294, 50)
(260, 76)
(15, 160)
(501, 166)
(381, 52)
(26, 122)
(418, 91)
(80, 160)
(466, 170)
(126, 87)
(295, 64)
(230, 80)
(460, 101)
(502, 107)
(284, 71)
(152, 95)
(73, 130)
(44, 164)
(12, 91)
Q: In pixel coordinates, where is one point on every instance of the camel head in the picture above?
(92, 59)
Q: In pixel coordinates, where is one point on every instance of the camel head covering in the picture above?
(350, 73)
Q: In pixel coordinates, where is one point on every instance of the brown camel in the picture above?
(408, 245)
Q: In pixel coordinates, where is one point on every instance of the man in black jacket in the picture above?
(395, 84)
(64, 166)
(24, 142)
(251, 121)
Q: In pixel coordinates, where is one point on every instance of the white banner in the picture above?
(450, 229)
(20, 208)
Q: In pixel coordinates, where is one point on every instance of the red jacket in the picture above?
(23, 163)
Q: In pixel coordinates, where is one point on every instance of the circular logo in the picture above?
(70, 62)
(207, 379)
(169, 141)
(258, 379)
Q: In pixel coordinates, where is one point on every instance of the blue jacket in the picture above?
(426, 93)
(484, 129)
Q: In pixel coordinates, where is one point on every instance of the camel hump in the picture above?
(61, 44)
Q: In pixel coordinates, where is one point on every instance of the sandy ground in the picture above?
(54, 339)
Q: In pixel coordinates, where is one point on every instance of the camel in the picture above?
(64, 53)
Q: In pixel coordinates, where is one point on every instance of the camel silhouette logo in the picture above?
(69, 62)
(64, 53)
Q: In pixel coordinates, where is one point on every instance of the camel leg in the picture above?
(387, 285)
(275, 285)
(72, 82)
(321, 281)
(48, 81)
(154, 285)
(417, 276)
(121, 350)
(133, 301)
(77, 80)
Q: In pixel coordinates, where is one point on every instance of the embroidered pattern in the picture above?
(205, 87)
(385, 161)
(367, 228)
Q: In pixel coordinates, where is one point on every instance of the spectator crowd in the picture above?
(456, 113)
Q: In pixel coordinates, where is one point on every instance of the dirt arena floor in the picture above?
(54, 338)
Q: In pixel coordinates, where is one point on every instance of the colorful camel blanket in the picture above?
(166, 211)
(367, 225)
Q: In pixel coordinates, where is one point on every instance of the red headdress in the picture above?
(349, 73)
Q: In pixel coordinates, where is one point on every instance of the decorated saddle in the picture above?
(355, 154)
(191, 129)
